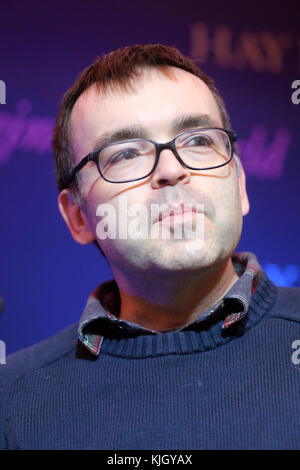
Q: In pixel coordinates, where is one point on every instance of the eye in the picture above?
(123, 155)
(197, 140)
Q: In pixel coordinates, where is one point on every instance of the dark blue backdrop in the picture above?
(254, 56)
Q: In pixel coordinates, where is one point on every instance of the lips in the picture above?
(177, 211)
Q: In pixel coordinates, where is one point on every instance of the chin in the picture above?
(177, 255)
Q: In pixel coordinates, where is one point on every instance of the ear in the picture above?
(243, 191)
(74, 217)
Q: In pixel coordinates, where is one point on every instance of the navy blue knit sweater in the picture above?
(206, 389)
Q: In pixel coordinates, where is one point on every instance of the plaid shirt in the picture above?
(100, 316)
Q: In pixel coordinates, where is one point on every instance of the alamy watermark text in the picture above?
(2, 92)
(296, 94)
(159, 221)
(2, 352)
(296, 354)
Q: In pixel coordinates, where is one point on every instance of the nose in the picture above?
(169, 171)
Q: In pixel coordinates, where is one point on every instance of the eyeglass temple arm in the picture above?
(77, 168)
(232, 135)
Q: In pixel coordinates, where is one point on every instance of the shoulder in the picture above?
(26, 361)
(287, 303)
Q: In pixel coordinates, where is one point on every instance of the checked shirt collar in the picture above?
(100, 316)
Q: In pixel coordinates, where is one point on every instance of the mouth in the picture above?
(179, 212)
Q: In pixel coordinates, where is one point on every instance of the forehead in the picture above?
(151, 101)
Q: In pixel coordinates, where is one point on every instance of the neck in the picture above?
(167, 303)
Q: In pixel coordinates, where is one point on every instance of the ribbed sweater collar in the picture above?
(210, 334)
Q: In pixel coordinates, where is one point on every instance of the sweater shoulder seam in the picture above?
(28, 361)
(26, 374)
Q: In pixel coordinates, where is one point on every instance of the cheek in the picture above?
(107, 204)
(96, 192)
(227, 204)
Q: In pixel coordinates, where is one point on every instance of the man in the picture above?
(190, 346)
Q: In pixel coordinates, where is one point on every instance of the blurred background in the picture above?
(252, 52)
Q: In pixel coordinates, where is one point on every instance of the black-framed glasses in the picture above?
(135, 159)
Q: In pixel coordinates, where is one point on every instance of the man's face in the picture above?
(160, 105)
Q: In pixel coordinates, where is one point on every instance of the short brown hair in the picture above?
(117, 67)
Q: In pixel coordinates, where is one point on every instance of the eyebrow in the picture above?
(180, 123)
